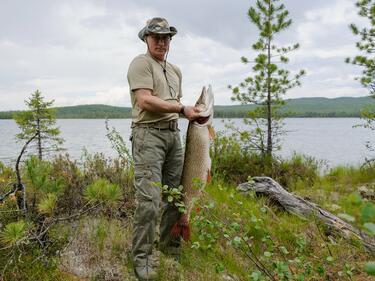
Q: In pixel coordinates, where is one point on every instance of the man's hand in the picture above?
(191, 112)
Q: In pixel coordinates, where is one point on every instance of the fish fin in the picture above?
(211, 132)
(209, 177)
(176, 230)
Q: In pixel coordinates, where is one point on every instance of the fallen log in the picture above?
(298, 206)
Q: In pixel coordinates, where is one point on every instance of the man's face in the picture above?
(158, 45)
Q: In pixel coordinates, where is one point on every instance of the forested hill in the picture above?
(308, 107)
(301, 107)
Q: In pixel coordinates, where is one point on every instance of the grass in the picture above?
(229, 231)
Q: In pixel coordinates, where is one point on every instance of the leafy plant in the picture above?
(370, 268)
(174, 195)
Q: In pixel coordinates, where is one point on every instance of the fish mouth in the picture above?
(202, 120)
(206, 104)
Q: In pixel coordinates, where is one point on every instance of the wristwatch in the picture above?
(182, 110)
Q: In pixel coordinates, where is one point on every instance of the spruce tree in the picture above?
(39, 120)
(270, 82)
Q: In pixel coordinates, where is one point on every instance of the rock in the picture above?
(366, 192)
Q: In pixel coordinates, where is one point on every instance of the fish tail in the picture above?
(186, 232)
(176, 230)
(181, 230)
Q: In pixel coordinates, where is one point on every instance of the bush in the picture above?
(102, 191)
(232, 162)
(299, 168)
(93, 168)
(56, 191)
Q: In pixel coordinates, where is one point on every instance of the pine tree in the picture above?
(366, 45)
(270, 82)
(39, 120)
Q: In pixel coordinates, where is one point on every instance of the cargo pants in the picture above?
(158, 157)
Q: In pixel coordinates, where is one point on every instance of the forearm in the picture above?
(146, 101)
(155, 104)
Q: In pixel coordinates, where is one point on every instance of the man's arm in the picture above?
(146, 101)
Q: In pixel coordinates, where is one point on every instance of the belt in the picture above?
(161, 125)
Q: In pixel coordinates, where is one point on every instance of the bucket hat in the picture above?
(157, 26)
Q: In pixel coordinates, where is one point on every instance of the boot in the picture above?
(145, 273)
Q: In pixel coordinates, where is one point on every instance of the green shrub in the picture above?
(14, 233)
(232, 162)
(79, 175)
(48, 204)
(102, 191)
(299, 168)
(40, 174)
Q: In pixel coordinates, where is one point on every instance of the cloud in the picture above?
(114, 96)
(79, 51)
(91, 57)
(336, 13)
(326, 41)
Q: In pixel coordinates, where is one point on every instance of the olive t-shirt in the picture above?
(147, 73)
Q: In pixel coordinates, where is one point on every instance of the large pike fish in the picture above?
(197, 162)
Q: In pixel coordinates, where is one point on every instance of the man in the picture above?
(155, 87)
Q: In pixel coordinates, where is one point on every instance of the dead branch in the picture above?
(298, 206)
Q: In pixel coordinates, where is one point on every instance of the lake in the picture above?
(331, 139)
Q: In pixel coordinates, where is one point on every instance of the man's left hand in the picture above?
(192, 112)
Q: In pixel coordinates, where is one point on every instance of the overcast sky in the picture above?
(78, 52)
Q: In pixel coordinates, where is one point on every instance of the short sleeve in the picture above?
(179, 74)
(140, 74)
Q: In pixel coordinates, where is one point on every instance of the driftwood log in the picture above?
(298, 206)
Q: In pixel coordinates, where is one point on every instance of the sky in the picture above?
(78, 51)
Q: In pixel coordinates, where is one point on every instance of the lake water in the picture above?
(331, 139)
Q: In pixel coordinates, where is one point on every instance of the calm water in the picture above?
(328, 139)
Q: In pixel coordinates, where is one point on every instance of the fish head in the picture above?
(206, 103)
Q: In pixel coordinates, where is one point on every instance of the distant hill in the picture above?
(301, 107)
(307, 107)
(93, 111)
(89, 111)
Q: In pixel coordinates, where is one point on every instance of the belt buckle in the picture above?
(172, 125)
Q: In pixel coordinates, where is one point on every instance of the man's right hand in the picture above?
(191, 112)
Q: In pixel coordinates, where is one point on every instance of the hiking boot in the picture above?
(154, 259)
(145, 273)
